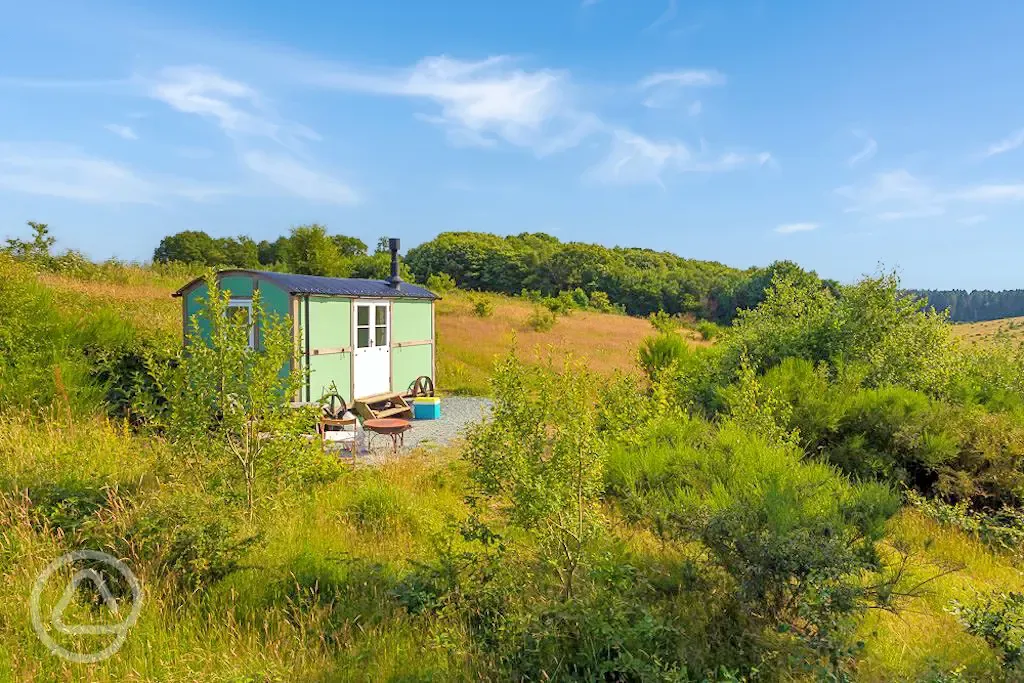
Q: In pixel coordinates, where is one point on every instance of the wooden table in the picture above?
(391, 427)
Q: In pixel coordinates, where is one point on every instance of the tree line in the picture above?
(975, 306)
(639, 281)
(306, 250)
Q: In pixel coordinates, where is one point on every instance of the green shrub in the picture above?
(189, 537)
(483, 308)
(600, 302)
(661, 351)
(708, 330)
(999, 619)
(541, 320)
(440, 283)
(662, 322)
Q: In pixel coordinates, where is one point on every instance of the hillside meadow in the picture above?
(810, 497)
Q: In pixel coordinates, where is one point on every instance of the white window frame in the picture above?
(246, 303)
(371, 328)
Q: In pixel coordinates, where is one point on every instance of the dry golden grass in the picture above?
(990, 330)
(468, 344)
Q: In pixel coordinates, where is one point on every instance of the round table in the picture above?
(391, 427)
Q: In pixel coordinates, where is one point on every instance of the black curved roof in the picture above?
(329, 286)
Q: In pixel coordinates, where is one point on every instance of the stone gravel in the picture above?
(457, 413)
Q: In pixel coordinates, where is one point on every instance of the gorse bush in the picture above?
(660, 352)
(440, 283)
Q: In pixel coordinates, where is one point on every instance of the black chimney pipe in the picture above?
(395, 280)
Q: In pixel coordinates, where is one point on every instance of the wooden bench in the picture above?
(383, 406)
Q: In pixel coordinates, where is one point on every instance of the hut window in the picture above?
(371, 325)
(380, 337)
(243, 307)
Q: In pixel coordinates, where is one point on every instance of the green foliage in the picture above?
(226, 405)
(661, 351)
(36, 251)
(708, 330)
(662, 322)
(539, 461)
(541, 319)
(440, 283)
(640, 280)
(600, 302)
(999, 619)
(190, 537)
(311, 251)
(379, 508)
(483, 308)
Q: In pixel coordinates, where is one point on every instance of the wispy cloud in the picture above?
(790, 228)
(667, 88)
(1007, 144)
(299, 180)
(480, 102)
(635, 159)
(238, 108)
(869, 149)
(122, 131)
(899, 195)
(687, 77)
(68, 173)
(668, 15)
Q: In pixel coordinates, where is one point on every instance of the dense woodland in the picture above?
(639, 281)
(977, 305)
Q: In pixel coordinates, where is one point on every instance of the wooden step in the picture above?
(376, 407)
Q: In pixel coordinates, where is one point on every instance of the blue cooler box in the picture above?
(426, 408)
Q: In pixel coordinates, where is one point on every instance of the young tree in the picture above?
(35, 250)
(539, 459)
(227, 402)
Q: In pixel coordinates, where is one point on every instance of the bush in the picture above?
(189, 537)
(708, 330)
(999, 619)
(440, 283)
(541, 320)
(662, 322)
(483, 308)
(661, 351)
(600, 302)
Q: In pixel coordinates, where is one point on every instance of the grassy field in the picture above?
(987, 332)
(315, 599)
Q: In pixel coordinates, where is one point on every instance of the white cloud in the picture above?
(299, 180)
(686, 78)
(635, 159)
(122, 131)
(238, 108)
(667, 89)
(1007, 144)
(899, 195)
(867, 152)
(480, 102)
(59, 171)
(790, 228)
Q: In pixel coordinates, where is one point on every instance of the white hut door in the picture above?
(371, 372)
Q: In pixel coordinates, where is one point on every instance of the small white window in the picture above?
(239, 306)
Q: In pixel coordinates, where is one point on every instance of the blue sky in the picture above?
(839, 135)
